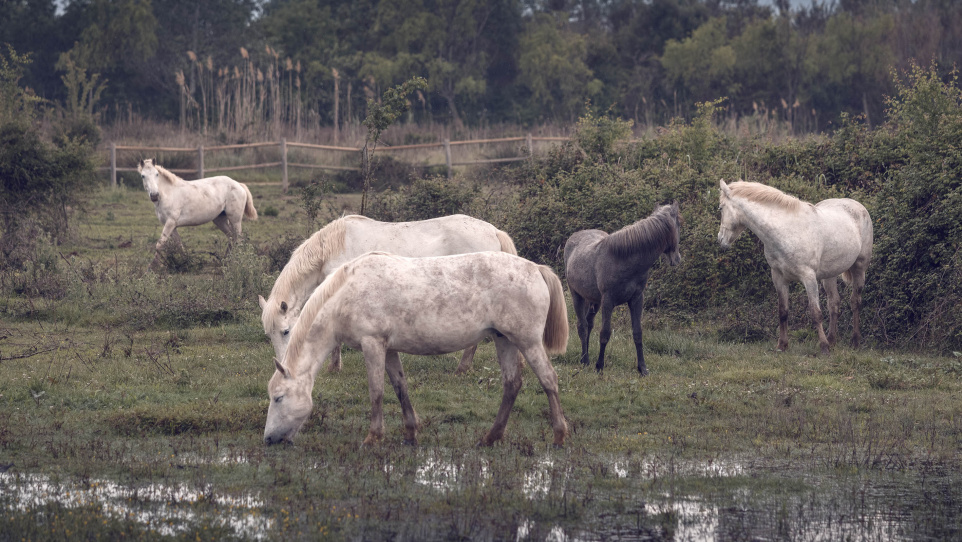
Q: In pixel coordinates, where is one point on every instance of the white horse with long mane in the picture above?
(806, 243)
(385, 304)
(220, 200)
(348, 237)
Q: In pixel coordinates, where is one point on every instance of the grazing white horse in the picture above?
(353, 235)
(220, 200)
(806, 243)
(385, 304)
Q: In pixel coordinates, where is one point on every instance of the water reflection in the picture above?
(162, 508)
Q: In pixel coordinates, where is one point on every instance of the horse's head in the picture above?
(278, 320)
(290, 404)
(151, 178)
(671, 251)
(731, 220)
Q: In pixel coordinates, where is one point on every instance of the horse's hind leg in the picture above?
(586, 320)
(395, 373)
(538, 360)
(834, 302)
(231, 228)
(374, 359)
(636, 308)
(467, 359)
(606, 309)
(510, 360)
(857, 284)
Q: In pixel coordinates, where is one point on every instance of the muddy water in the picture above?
(164, 509)
(649, 499)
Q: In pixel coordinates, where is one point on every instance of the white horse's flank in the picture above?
(803, 242)
(220, 200)
(386, 304)
(349, 237)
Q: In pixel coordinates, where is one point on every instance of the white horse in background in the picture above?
(220, 200)
(385, 304)
(350, 236)
(803, 242)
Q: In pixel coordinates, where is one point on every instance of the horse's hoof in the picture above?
(557, 446)
(643, 371)
(410, 442)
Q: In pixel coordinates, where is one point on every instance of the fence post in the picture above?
(113, 165)
(200, 162)
(447, 155)
(284, 165)
(530, 144)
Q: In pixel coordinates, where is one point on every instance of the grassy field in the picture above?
(132, 404)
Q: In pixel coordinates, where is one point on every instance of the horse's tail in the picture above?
(556, 328)
(507, 244)
(249, 210)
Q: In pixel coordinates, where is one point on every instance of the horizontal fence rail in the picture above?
(284, 145)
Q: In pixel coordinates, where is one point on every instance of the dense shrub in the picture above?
(916, 284)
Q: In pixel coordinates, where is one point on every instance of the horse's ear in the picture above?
(283, 307)
(140, 166)
(280, 368)
(724, 187)
(261, 301)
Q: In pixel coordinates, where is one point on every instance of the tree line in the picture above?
(249, 66)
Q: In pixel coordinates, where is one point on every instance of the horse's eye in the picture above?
(278, 398)
(285, 332)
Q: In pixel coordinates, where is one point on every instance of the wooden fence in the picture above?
(284, 164)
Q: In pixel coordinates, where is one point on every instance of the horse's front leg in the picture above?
(510, 360)
(396, 373)
(584, 323)
(374, 360)
(335, 365)
(815, 309)
(170, 226)
(467, 359)
(636, 308)
(781, 288)
(607, 307)
(834, 302)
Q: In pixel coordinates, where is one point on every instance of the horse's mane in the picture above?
(167, 175)
(310, 256)
(646, 234)
(765, 194)
(317, 300)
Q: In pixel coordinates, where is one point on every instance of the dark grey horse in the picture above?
(610, 270)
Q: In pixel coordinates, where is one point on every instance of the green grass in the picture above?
(144, 380)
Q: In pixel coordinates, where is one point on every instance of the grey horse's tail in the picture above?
(507, 244)
(249, 210)
(556, 328)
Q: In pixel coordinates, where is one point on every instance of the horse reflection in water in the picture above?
(386, 304)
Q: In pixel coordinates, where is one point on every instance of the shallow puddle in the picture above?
(164, 509)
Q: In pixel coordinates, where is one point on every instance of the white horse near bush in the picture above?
(386, 304)
(220, 200)
(806, 243)
(350, 236)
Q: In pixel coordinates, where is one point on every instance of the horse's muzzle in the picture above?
(154, 197)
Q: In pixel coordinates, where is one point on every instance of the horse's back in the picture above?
(440, 304)
(443, 236)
